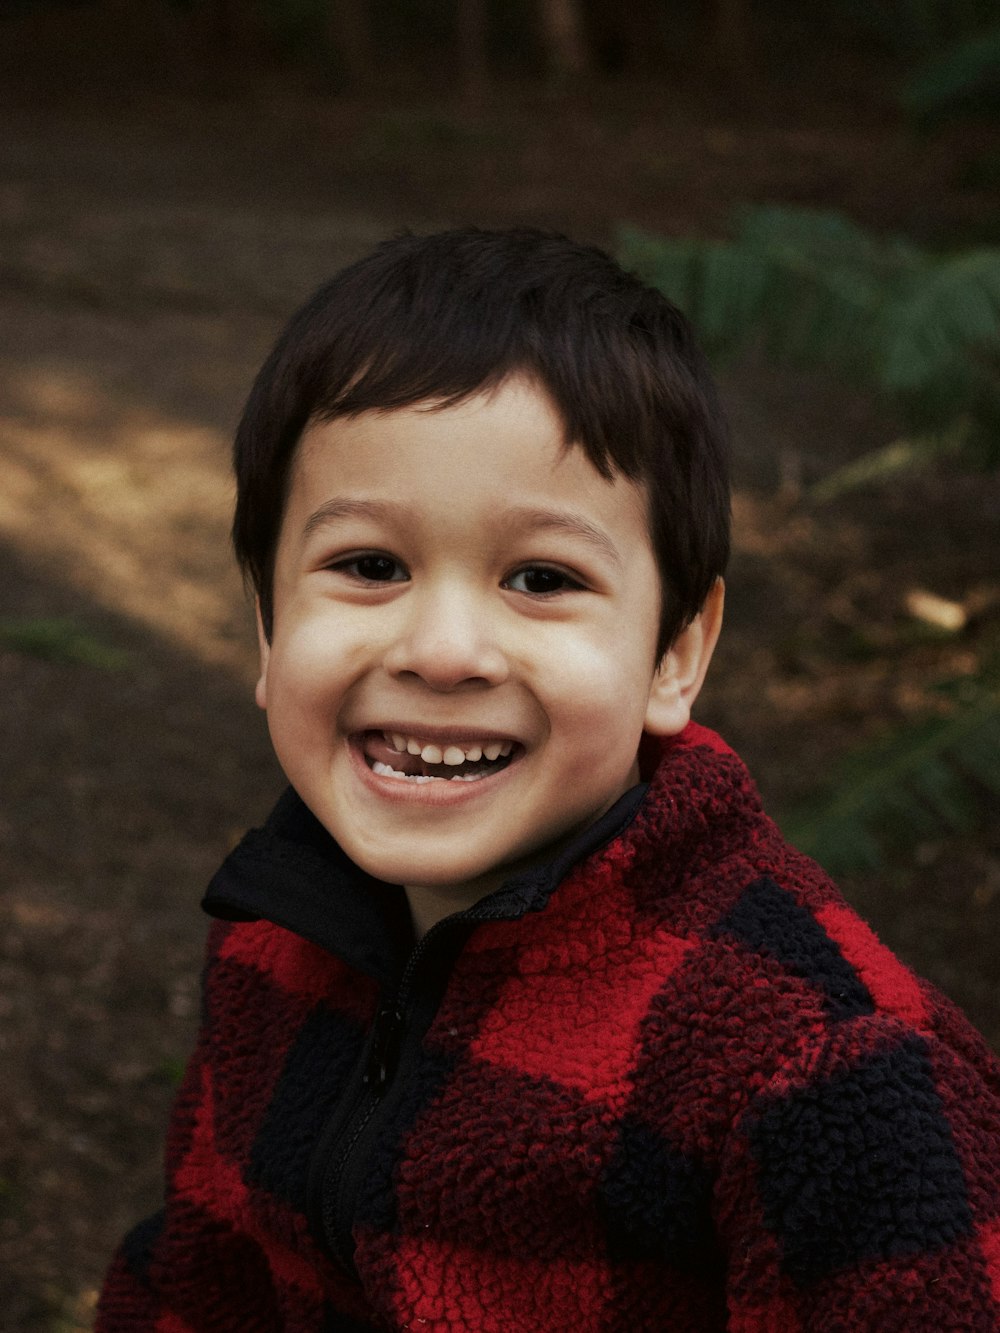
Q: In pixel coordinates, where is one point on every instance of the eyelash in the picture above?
(352, 566)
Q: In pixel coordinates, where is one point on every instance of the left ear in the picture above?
(679, 676)
(260, 693)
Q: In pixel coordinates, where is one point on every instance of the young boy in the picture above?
(519, 1013)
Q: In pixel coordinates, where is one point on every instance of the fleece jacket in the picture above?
(669, 1081)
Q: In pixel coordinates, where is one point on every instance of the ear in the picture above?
(679, 676)
(260, 693)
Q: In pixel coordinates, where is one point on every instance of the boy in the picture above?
(519, 1014)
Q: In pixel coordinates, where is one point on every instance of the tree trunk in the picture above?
(731, 34)
(223, 28)
(472, 63)
(230, 42)
(627, 38)
(350, 30)
(562, 33)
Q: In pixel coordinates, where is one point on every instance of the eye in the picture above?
(542, 581)
(372, 568)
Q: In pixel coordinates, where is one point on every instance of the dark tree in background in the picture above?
(562, 42)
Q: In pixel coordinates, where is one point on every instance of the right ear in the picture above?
(680, 673)
(264, 648)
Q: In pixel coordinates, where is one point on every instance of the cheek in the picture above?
(304, 690)
(602, 693)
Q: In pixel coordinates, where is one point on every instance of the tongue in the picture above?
(376, 747)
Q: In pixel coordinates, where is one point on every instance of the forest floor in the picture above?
(150, 246)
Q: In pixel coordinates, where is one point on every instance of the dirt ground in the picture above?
(149, 248)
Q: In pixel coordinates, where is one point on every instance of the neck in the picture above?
(431, 903)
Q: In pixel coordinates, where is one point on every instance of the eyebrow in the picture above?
(563, 520)
(332, 510)
(528, 518)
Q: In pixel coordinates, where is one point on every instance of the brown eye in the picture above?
(541, 580)
(372, 568)
(377, 568)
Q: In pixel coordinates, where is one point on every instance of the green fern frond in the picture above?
(803, 231)
(912, 27)
(817, 290)
(700, 279)
(824, 240)
(937, 777)
(962, 80)
(950, 319)
(809, 284)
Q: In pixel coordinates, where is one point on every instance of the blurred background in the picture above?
(818, 187)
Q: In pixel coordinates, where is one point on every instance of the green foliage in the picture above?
(920, 329)
(910, 27)
(59, 640)
(940, 776)
(962, 81)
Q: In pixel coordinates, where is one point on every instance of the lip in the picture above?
(442, 793)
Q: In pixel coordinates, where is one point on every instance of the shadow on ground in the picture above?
(124, 784)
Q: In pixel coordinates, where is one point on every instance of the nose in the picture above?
(448, 640)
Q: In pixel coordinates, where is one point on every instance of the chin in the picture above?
(461, 876)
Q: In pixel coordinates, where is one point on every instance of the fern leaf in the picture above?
(666, 263)
(931, 778)
(913, 26)
(721, 290)
(818, 290)
(949, 320)
(730, 294)
(790, 276)
(818, 236)
(962, 80)
(820, 280)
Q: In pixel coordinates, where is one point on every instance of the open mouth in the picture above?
(413, 759)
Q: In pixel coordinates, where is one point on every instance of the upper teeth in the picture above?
(449, 754)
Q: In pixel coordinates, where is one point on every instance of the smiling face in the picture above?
(463, 651)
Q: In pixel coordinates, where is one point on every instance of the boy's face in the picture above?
(457, 583)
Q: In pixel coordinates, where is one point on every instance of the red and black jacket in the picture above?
(670, 1081)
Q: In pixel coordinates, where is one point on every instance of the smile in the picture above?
(414, 759)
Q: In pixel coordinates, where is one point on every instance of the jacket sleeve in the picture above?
(193, 1266)
(860, 1188)
(127, 1300)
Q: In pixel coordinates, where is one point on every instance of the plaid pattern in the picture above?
(678, 1086)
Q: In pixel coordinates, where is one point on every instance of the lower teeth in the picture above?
(386, 771)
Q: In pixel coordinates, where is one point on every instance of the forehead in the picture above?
(495, 448)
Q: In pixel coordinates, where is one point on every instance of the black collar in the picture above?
(292, 873)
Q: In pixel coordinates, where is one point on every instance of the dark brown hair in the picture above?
(439, 318)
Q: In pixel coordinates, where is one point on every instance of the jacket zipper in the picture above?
(333, 1187)
(379, 1067)
(335, 1176)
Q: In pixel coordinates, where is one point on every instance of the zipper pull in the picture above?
(387, 1035)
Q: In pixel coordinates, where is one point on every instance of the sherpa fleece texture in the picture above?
(677, 1085)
